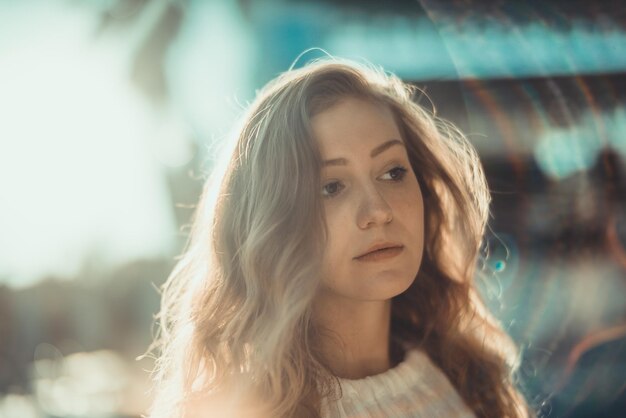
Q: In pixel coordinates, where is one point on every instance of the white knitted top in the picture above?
(414, 388)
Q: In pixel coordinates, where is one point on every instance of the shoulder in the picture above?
(224, 404)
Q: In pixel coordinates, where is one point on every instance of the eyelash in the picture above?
(398, 169)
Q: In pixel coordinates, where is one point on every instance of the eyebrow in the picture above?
(378, 150)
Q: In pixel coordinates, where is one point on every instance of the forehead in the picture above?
(352, 124)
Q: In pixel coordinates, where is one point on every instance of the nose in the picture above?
(373, 210)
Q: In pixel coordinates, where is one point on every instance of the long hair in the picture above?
(237, 309)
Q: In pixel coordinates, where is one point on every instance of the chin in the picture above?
(388, 288)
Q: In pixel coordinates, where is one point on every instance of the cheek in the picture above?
(412, 213)
(419, 219)
(337, 227)
(335, 241)
(340, 245)
(419, 211)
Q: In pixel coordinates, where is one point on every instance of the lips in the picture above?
(378, 247)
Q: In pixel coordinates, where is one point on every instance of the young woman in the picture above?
(330, 269)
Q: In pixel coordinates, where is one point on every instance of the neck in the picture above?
(354, 335)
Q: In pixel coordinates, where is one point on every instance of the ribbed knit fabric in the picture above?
(414, 388)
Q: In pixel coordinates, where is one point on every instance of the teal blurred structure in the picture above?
(113, 109)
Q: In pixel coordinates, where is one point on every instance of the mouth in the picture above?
(381, 253)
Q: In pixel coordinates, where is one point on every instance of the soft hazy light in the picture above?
(86, 384)
(14, 405)
(78, 174)
(209, 66)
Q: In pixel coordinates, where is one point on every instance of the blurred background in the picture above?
(110, 112)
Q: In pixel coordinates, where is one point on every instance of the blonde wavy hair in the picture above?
(236, 313)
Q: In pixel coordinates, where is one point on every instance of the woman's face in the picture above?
(371, 200)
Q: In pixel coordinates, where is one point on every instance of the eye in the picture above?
(331, 189)
(395, 174)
